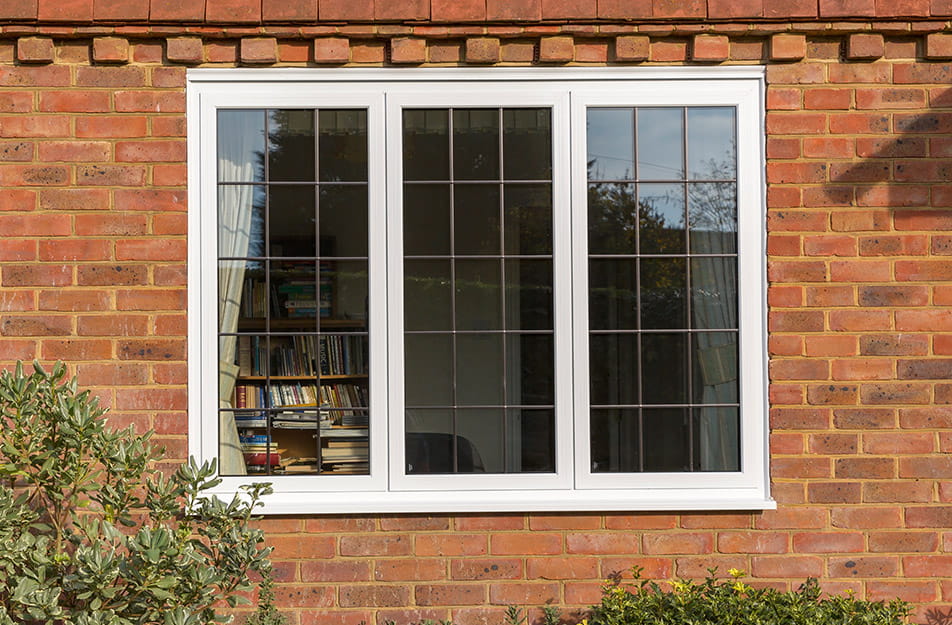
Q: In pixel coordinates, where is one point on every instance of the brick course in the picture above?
(859, 216)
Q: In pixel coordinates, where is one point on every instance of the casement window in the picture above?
(446, 290)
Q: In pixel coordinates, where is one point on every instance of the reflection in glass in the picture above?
(717, 438)
(528, 219)
(528, 294)
(291, 220)
(716, 375)
(478, 295)
(430, 442)
(527, 144)
(663, 369)
(342, 145)
(661, 143)
(294, 294)
(241, 220)
(427, 295)
(426, 219)
(476, 144)
(712, 212)
(613, 294)
(663, 293)
(711, 143)
(479, 369)
(291, 145)
(611, 151)
(350, 287)
(530, 366)
(428, 364)
(536, 432)
(476, 226)
(714, 293)
(615, 440)
(426, 144)
(485, 430)
(666, 437)
(245, 292)
(240, 145)
(662, 218)
(612, 219)
(613, 364)
(343, 220)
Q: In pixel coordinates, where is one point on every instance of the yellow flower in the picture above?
(736, 573)
(740, 587)
(679, 586)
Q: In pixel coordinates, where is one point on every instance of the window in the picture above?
(479, 290)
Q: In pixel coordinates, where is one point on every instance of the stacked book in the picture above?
(259, 452)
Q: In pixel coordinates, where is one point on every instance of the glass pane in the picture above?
(294, 295)
(240, 145)
(615, 441)
(428, 365)
(535, 445)
(613, 294)
(343, 215)
(291, 214)
(528, 294)
(611, 145)
(662, 218)
(613, 364)
(714, 293)
(612, 219)
(476, 223)
(716, 368)
(426, 219)
(291, 145)
(250, 353)
(660, 144)
(663, 293)
(481, 441)
(712, 211)
(427, 302)
(711, 143)
(478, 295)
(426, 144)
(666, 437)
(251, 297)
(527, 144)
(663, 369)
(717, 439)
(528, 219)
(342, 145)
(345, 287)
(530, 366)
(343, 354)
(476, 144)
(241, 220)
(429, 441)
(294, 355)
(479, 369)
(252, 431)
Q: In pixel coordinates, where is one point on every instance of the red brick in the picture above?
(296, 596)
(110, 126)
(289, 10)
(335, 571)
(112, 374)
(120, 10)
(891, 542)
(799, 370)
(150, 151)
(938, 46)
(828, 542)
(450, 594)
(35, 50)
(110, 224)
(524, 544)
(346, 10)
(865, 46)
(494, 568)
(866, 517)
(562, 568)
(35, 126)
(186, 50)
(110, 77)
(149, 102)
(752, 542)
(74, 151)
(902, 245)
(558, 49)
(786, 566)
(29, 175)
(450, 545)
(331, 50)
(76, 349)
(711, 48)
(406, 10)
(176, 11)
(15, 325)
(259, 50)
(230, 11)
(531, 10)
(511, 593)
(18, 9)
(74, 249)
(796, 321)
(678, 543)
(834, 492)
(667, 9)
(903, 491)
(110, 175)
(407, 50)
(390, 570)
(151, 299)
(482, 50)
(111, 49)
(796, 271)
(18, 250)
(785, 393)
(918, 592)
(600, 543)
(788, 47)
(924, 320)
(114, 325)
(37, 275)
(457, 10)
(67, 300)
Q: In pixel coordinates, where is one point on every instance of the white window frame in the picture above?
(568, 91)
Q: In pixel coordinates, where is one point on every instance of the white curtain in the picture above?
(236, 150)
(714, 305)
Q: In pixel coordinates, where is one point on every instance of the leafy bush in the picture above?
(91, 533)
(733, 602)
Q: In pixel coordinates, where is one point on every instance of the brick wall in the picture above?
(859, 147)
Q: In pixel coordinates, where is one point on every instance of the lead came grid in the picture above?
(483, 276)
(308, 168)
(663, 289)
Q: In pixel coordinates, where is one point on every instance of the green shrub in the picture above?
(733, 602)
(92, 534)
